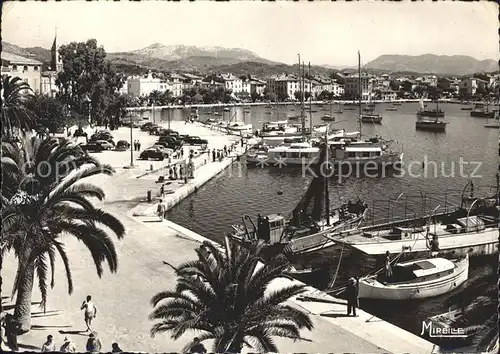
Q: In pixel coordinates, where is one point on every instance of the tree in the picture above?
(223, 295)
(16, 95)
(41, 200)
(51, 115)
(254, 96)
(87, 74)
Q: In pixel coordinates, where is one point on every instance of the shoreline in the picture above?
(272, 104)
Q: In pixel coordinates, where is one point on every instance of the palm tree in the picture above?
(16, 94)
(223, 295)
(42, 201)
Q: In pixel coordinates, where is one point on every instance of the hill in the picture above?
(433, 64)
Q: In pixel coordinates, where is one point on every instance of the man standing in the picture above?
(388, 268)
(90, 312)
(352, 295)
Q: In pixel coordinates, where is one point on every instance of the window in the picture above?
(366, 154)
(25, 68)
(35, 68)
(351, 154)
(295, 154)
(14, 67)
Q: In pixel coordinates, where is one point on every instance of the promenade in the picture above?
(123, 299)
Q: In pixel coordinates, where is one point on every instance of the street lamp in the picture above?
(88, 101)
(131, 141)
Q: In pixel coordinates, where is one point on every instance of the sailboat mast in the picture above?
(325, 179)
(360, 92)
(302, 98)
(310, 100)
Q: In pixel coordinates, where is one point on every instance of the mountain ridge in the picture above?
(242, 61)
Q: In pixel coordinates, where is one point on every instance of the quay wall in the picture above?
(331, 311)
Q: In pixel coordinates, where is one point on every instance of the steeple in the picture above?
(55, 60)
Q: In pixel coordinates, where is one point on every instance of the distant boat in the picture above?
(417, 280)
(424, 112)
(391, 109)
(482, 111)
(430, 124)
(495, 123)
(227, 109)
(466, 108)
(328, 117)
(397, 104)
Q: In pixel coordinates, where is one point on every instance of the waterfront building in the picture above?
(27, 69)
(386, 94)
(285, 86)
(143, 86)
(352, 86)
(176, 84)
(233, 83)
(257, 86)
(471, 85)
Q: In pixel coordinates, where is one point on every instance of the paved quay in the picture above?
(122, 299)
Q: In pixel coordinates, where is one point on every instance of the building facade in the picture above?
(143, 86)
(352, 86)
(27, 69)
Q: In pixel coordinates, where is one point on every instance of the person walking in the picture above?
(138, 145)
(68, 346)
(160, 209)
(49, 345)
(352, 295)
(213, 155)
(94, 344)
(90, 312)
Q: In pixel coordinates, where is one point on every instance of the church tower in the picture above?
(55, 60)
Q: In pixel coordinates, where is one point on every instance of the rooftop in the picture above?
(17, 59)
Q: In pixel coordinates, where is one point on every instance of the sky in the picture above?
(322, 32)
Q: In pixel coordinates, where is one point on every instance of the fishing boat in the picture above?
(368, 114)
(328, 118)
(304, 230)
(418, 279)
(466, 108)
(391, 109)
(397, 104)
(476, 235)
(424, 112)
(431, 124)
(240, 129)
(482, 111)
(339, 110)
(293, 117)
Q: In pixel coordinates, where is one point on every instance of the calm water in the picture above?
(241, 190)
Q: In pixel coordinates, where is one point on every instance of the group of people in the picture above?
(10, 327)
(137, 145)
(220, 154)
(93, 345)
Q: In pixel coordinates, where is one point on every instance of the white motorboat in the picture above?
(417, 280)
(467, 235)
(240, 128)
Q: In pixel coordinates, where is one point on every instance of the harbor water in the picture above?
(436, 168)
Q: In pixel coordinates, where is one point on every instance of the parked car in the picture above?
(168, 132)
(106, 145)
(170, 141)
(152, 153)
(79, 132)
(122, 145)
(154, 130)
(145, 127)
(92, 147)
(166, 151)
(195, 140)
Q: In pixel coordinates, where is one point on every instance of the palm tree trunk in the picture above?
(22, 312)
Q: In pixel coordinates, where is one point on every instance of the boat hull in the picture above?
(433, 126)
(373, 289)
(371, 119)
(432, 114)
(481, 114)
(480, 243)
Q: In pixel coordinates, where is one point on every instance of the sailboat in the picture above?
(495, 123)
(329, 117)
(482, 111)
(424, 112)
(368, 114)
(306, 228)
(338, 110)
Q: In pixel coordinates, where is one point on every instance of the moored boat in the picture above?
(481, 110)
(418, 279)
(391, 109)
(425, 112)
(430, 124)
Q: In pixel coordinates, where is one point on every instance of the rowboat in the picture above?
(417, 280)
